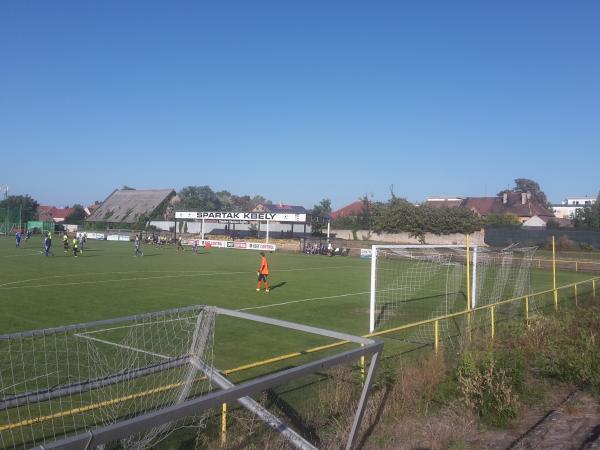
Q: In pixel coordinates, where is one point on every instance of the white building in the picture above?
(567, 209)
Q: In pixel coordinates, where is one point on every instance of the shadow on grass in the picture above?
(278, 285)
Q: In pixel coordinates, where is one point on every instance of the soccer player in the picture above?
(17, 239)
(195, 246)
(65, 242)
(263, 273)
(179, 244)
(75, 246)
(138, 242)
(47, 245)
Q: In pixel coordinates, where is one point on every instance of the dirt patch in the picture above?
(571, 420)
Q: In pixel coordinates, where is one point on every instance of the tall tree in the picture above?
(588, 217)
(199, 198)
(24, 204)
(322, 208)
(527, 185)
(77, 216)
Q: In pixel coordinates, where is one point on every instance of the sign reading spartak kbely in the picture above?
(275, 217)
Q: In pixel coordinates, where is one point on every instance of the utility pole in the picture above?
(7, 210)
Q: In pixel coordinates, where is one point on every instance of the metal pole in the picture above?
(474, 280)
(328, 230)
(267, 231)
(373, 288)
(554, 275)
(468, 284)
(224, 424)
(492, 320)
(436, 344)
(202, 229)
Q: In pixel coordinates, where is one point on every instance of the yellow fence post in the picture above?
(224, 424)
(554, 275)
(436, 342)
(362, 367)
(492, 320)
(576, 266)
(576, 299)
(527, 309)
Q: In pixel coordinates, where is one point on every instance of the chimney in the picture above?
(505, 198)
(523, 198)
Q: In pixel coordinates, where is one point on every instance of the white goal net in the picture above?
(63, 381)
(413, 283)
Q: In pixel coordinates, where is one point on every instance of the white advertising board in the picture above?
(117, 237)
(93, 236)
(275, 217)
(240, 245)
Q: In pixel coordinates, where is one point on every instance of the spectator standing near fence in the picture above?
(263, 273)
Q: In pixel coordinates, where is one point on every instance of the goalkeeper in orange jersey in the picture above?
(263, 273)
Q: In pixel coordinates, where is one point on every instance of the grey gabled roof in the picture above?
(127, 205)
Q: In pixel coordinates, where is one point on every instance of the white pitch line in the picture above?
(27, 254)
(194, 274)
(304, 300)
(318, 298)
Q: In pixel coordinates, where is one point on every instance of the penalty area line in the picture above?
(352, 294)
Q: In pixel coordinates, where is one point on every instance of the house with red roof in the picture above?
(53, 214)
(520, 204)
(352, 210)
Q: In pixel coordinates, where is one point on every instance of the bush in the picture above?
(584, 246)
(489, 384)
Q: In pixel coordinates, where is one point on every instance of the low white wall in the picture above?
(404, 238)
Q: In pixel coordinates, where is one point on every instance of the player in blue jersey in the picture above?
(138, 242)
(18, 239)
(47, 245)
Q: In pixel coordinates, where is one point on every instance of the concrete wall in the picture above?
(404, 238)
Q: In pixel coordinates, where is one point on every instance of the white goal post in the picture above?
(376, 251)
(414, 283)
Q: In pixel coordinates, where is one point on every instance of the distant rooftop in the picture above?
(128, 205)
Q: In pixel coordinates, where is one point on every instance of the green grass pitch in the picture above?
(108, 281)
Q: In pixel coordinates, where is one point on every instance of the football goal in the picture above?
(131, 382)
(413, 283)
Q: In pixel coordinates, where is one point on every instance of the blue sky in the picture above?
(299, 100)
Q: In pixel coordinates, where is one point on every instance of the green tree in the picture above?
(400, 215)
(76, 217)
(323, 208)
(24, 204)
(588, 217)
(199, 198)
(502, 220)
(527, 185)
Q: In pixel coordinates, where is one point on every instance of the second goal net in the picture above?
(414, 283)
